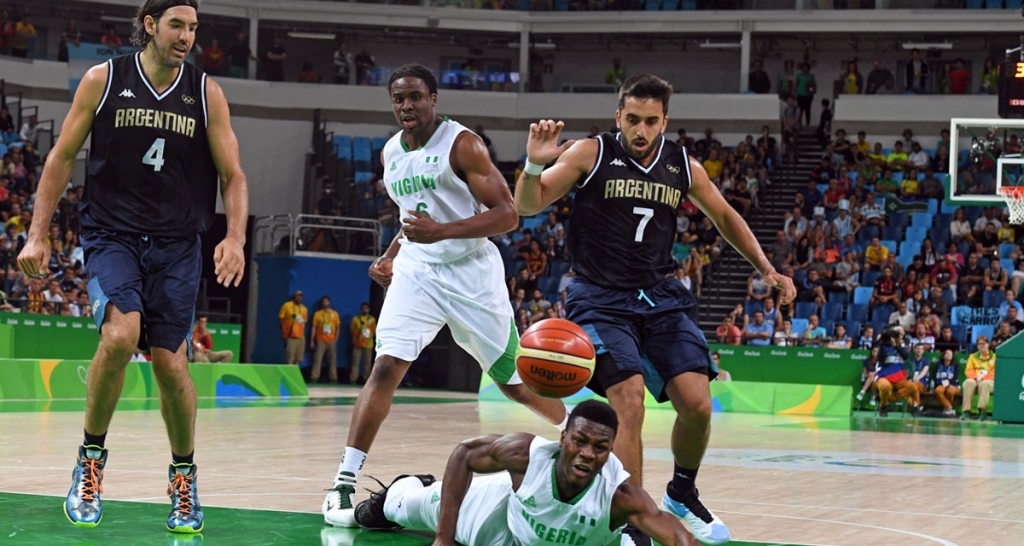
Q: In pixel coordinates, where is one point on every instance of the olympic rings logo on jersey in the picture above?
(188, 100)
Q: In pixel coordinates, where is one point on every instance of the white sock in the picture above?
(352, 462)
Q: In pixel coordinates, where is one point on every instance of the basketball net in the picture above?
(1014, 196)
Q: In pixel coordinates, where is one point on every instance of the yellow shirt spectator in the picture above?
(909, 186)
(862, 147)
(293, 317)
(22, 32)
(325, 325)
(976, 365)
(713, 167)
(1006, 234)
(877, 255)
(364, 329)
(899, 158)
(878, 159)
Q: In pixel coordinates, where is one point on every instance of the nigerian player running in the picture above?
(573, 491)
(440, 269)
(629, 186)
(161, 136)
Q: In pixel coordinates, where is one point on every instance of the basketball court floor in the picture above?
(264, 465)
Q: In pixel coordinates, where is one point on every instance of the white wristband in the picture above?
(533, 169)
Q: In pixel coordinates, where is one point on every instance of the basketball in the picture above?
(555, 358)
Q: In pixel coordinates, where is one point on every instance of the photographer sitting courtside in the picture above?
(890, 373)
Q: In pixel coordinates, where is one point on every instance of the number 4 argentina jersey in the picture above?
(624, 222)
(423, 180)
(537, 517)
(150, 168)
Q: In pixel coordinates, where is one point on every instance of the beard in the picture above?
(628, 147)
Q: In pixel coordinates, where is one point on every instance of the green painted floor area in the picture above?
(39, 520)
(868, 422)
(78, 404)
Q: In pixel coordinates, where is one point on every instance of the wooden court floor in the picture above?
(772, 479)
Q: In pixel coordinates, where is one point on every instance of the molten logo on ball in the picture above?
(551, 375)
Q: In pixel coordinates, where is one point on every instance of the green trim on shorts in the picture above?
(503, 369)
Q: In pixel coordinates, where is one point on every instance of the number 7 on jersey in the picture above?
(646, 214)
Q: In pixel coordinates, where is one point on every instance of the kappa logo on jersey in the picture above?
(188, 100)
(127, 93)
(617, 163)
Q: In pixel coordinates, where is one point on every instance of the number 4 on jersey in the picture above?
(155, 155)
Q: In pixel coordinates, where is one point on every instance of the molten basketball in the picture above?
(555, 358)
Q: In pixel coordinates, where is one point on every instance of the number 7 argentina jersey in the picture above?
(537, 517)
(150, 168)
(423, 180)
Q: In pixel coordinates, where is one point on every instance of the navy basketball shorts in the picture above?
(156, 276)
(648, 332)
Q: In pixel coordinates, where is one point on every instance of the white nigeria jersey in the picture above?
(537, 517)
(423, 180)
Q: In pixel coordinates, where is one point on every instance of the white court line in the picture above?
(865, 525)
(207, 495)
(164, 499)
(121, 471)
(818, 506)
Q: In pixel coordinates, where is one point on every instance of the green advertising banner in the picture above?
(64, 379)
(72, 338)
(1009, 384)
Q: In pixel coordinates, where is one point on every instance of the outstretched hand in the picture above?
(783, 284)
(542, 146)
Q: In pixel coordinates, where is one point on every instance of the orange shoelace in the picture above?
(92, 479)
(183, 484)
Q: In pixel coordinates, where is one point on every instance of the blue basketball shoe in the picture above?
(82, 506)
(186, 512)
(705, 526)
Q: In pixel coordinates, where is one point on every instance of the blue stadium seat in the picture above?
(947, 296)
(960, 334)
(870, 278)
(651, 5)
(832, 312)
(798, 277)
(897, 176)
(376, 147)
(878, 326)
(1013, 4)
(828, 325)
(948, 208)
(362, 156)
(887, 151)
(910, 248)
(978, 331)
(689, 5)
(956, 312)
(964, 248)
(343, 147)
(799, 326)
(894, 233)
(857, 312)
(862, 295)
(881, 313)
(943, 218)
(362, 177)
(994, 4)
(1006, 249)
(972, 213)
(524, 5)
(853, 330)
(905, 259)
(3, 149)
(805, 309)
(992, 298)
(839, 297)
(670, 5)
(1007, 264)
(558, 269)
(921, 220)
(890, 244)
(547, 285)
(933, 204)
(898, 219)
(917, 234)
(562, 5)
(753, 306)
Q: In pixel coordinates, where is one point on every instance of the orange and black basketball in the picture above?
(555, 358)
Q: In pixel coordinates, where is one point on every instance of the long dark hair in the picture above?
(155, 9)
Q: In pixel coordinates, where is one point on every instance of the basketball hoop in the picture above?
(1014, 196)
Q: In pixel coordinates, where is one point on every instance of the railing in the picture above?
(310, 234)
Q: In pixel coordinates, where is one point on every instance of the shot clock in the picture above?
(1011, 90)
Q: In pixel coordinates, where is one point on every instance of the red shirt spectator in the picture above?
(213, 58)
(111, 39)
(959, 79)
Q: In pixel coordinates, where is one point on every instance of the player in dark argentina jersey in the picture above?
(161, 139)
(629, 186)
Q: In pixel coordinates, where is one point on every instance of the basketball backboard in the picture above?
(984, 155)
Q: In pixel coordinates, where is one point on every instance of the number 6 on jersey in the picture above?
(155, 155)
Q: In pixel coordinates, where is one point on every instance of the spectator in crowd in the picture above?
(931, 322)
(1012, 318)
(537, 306)
(722, 374)
(840, 340)
(81, 306)
(822, 173)
(867, 375)
(708, 235)
(6, 33)
(987, 243)
(930, 187)
(1010, 303)
(239, 55)
(922, 368)
(363, 329)
(71, 37)
(23, 32)
(274, 60)
(922, 336)
(36, 300)
(944, 276)
(814, 334)
(308, 74)
(896, 267)
(325, 328)
(918, 158)
(713, 165)
(959, 228)
(852, 81)
(536, 260)
(111, 39)
(759, 332)
(791, 126)
(758, 80)
(996, 277)
(202, 344)
(522, 320)
(527, 281)
(989, 217)
(771, 313)
(971, 283)
(875, 256)
(938, 304)
(616, 74)
(867, 337)
(812, 287)
(757, 290)
(947, 341)
(6, 121)
(824, 122)
(981, 376)
(891, 376)
(916, 73)
(872, 212)
(293, 317)
(785, 336)
(959, 79)
(364, 64)
(947, 382)
(989, 78)
(213, 59)
(877, 78)
(1001, 335)
(343, 64)
(519, 299)
(728, 333)
(806, 87)
(56, 303)
(898, 160)
(683, 139)
(902, 316)
(29, 132)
